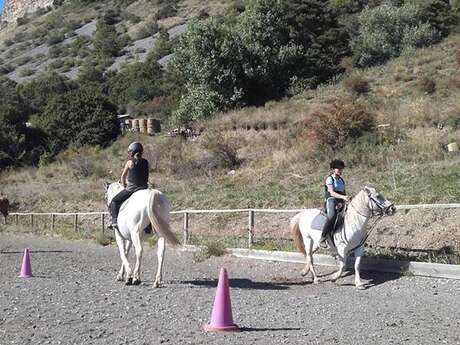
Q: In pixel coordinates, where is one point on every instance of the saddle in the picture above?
(320, 220)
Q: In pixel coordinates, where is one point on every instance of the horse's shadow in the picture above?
(371, 278)
(241, 283)
(253, 329)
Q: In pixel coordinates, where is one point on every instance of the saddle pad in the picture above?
(318, 222)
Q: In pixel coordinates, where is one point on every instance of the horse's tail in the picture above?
(296, 234)
(158, 223)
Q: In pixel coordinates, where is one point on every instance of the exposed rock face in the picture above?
(14, 9)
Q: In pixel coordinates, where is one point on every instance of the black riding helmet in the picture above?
(135, 147)
(337, 164)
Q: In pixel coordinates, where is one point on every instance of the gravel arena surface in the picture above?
(74, 298)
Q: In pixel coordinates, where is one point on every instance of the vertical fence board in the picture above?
(186, 234)
(251, 228)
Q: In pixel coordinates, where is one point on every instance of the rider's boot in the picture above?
(114, 225)
(326, 229)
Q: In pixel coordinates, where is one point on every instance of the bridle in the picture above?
(380, 211)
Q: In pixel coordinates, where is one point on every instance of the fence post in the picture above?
(75, 222)
(53, 219)
(31, 220)
(186, 234)
(17, 219)
(251, 228)
(103, 223)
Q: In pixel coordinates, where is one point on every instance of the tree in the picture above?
(260, 54)
(209, 57)
(136, 82)
(105, 40)
(37, 92)
(81, 117)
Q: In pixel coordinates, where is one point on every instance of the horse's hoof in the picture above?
(315, 281)
(361, 287)
(156, 284)
(119, 278)
(136, 281)
(129, 281)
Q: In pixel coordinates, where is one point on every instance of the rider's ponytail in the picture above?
(137, 156)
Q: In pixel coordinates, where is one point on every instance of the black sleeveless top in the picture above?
(138, 175)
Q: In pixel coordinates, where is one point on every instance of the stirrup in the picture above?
(112, 227)
(323, 243)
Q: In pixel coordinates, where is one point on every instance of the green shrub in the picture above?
(80, 117)
(56, 64)
(224, 150)
(357, 85)
(198, 103)
(419, 36)
(385, 31)
(340, 121)
(427, 85)
(55, 38)
(166, 10)
(106, 44)
(26, 72)
(45, 160)
(147, 30)
(22, 20)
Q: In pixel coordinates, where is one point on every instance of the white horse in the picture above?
(144, 207)
(350, 236)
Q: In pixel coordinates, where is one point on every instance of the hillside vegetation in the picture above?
(271, 120)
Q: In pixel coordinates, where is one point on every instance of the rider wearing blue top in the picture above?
(135, 177)
(334, 188)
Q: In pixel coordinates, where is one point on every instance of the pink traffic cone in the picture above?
(26, 269)
(221, 318)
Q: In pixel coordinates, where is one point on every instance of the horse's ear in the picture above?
(367, 190)
(106, 185)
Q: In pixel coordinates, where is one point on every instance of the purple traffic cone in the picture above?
(221, 318)
(26, 269)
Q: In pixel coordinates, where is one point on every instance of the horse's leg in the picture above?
(341, 252)
(160, 255)
(358, 255)
(136, 239)
(308, 243)
(124, 259)
(121, 274)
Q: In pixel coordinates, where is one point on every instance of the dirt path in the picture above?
(73, 298)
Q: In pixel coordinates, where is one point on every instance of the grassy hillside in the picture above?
(268, 157)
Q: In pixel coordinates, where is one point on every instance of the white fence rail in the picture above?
(187, 213)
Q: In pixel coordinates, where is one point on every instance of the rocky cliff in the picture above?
(14, 9)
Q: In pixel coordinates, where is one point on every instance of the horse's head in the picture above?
(4, 205)
(111, 189)
(378, 204)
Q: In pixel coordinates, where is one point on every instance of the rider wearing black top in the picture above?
(135, 177)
